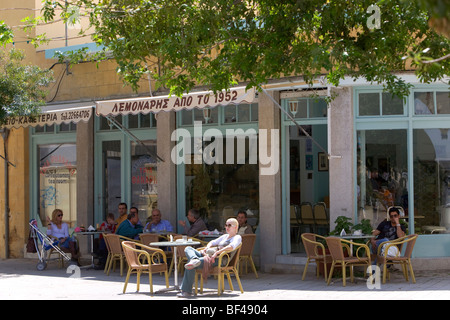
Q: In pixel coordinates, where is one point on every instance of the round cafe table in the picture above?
(91, 235)
(176, 243)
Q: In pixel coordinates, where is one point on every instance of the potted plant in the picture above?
(342, 223)
(365, 226)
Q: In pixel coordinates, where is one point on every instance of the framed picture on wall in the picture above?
(323, 161)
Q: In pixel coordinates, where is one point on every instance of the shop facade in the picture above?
(382, 152)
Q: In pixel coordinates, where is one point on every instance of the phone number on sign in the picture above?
(73, 115)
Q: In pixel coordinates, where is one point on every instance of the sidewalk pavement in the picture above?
(19, 279)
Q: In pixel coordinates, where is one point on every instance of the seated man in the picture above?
(388, 230)
(196, 223)
(244, 227)
(131, 227)
(157, 224)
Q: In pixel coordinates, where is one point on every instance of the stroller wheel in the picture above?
(41, 266)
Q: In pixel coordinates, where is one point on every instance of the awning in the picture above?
(168, 103)
(49, 117)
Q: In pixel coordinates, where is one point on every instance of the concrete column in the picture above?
(341, 142)
(269, 187)
(167, 175)
(85, 178)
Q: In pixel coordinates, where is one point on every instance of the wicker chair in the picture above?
(155, 259)
(313, 255)
(223, 268)
(115, 251)
(295, 222)
(248, 242)
(336, 247)
(404, 260)
(147, 238)
(320, 215)
(307, 215)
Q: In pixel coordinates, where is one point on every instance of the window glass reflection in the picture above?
(382, 173)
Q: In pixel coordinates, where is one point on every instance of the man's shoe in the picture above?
(194, 263)
(184, 294)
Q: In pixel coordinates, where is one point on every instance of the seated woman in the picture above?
(60, 230)
(228, 242)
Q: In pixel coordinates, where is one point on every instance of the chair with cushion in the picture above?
(315, 252)
(336, 247)
(384, 257)
(144, 259)
(248, 242)
(227, 264)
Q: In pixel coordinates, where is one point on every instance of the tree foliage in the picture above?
(218, 43)
(22, 87)
(6, 34)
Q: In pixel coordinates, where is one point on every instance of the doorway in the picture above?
(308, 180)
(111, 176)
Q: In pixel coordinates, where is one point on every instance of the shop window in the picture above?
(230, 114)
(240, 113)
(307, 108)
(105, 124)
(141, 121)
(443, 102)
(431, 102)
(254, 112)
(423, 103)
(219, 191)
(206, 116)
(371, 104)
(431, 154)
(45, 129)
(57, 181)
(382, 175)
(317, 108)
(144, 191)
(391, 105)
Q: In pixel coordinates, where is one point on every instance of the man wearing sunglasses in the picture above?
(388, 230)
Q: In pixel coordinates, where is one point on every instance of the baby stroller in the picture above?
(43, 243)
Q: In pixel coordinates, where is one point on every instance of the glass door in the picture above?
(111, 176)
(144, 190)
(308, 180)
(58, 181)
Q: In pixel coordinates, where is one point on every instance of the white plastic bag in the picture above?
(392, 251)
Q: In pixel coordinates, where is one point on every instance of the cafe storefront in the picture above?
(402, 154)
(206, 153)
(131, 155)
